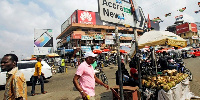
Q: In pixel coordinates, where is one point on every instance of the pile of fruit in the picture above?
(165, 81)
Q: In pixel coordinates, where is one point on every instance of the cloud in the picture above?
(19, 18)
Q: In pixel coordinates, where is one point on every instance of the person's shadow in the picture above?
(106, 96)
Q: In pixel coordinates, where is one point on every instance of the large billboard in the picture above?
(43, 41)
(198, 25)
(116, 11)
(86, 17)
(182, 28)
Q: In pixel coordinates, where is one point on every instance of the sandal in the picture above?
(44, 92)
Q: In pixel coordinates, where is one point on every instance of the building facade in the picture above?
(84, 31)
(188, 31)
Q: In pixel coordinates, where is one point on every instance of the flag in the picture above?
(169, 14)
(182, 9)
(199, 4)
(149, 22)
(196, 11)
(157, 20)
(180, 16)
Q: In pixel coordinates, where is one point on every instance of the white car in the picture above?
(28, 69)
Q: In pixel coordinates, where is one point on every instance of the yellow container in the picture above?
(88, 97)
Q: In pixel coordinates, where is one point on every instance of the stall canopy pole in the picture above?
(119, 63)
(137, 57)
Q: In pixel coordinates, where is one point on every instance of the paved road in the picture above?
(60, 86)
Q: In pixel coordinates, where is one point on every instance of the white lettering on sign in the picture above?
(115, 12)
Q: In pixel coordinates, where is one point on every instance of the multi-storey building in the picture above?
(188, 31)
(84, 31)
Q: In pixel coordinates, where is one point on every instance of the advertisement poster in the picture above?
(86, 17)
(86, 37)
(43, 41)
(182, 28)
(42, 50)
(86, 49)
(109, 41)
(98, 37)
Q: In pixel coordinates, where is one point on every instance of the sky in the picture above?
(19, 18)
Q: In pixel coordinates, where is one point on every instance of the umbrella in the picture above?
(52, 55)
(154, 38)
(106, 50)
(97, 51)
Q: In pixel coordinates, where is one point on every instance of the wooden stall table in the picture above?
(130, 93)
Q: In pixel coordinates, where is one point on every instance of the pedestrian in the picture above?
(62, 65)
(85, 78)
(75, 60)
(15, 88)
(38, 75)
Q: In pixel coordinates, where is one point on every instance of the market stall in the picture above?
(168, 83)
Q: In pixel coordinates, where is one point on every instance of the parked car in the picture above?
(28, 69)
(195, 52)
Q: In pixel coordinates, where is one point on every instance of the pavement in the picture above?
(60, 86)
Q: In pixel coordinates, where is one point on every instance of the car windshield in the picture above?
(26, 65)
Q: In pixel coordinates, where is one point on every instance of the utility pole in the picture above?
(119, 63)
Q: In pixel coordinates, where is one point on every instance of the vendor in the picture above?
(134, 72)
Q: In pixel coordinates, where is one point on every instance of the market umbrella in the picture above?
(106, 50)
(153, 38)
(52, 55)
(97, 51)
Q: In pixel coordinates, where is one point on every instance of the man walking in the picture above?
(16, 88)
(86, 76)
(38, 76)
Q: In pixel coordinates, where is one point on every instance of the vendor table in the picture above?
(180, 92)
(130, 93)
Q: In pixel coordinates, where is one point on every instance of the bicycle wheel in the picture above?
(187, 71)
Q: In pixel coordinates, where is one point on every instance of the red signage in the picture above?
(86, 17)
(182, 28)
(73, 17)
(193, 27)
(76, 36)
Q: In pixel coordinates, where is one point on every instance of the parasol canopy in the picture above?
(52, 55)
(106, 50)
(97, 51)
(153, 38)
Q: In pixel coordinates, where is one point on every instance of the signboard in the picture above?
(193, 27)
(76, 36)
(42, 50)
(86, 48)
(86, 37)
(86, 17)
(73, 18)
(182, 28)
(198, 25)
(96, 47)
(110, 37)
(116, 12)
(107, 41)
(68, 39)
(98, 37)
(43, 39)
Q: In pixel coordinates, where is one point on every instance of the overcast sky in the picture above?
(19, 18)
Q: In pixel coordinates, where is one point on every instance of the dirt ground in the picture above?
(60, 86)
